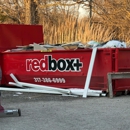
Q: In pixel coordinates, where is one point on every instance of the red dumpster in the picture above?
(67, 69)
(12, 35)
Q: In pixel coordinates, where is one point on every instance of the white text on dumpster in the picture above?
(49, 80)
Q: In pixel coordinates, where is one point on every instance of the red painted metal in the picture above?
(12, 35)
(122, 61)
(107, 60)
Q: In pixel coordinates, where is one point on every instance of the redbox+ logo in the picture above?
(51, 64)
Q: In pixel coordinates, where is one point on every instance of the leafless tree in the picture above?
(11, 10)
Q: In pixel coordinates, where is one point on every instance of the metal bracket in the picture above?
(116, 75)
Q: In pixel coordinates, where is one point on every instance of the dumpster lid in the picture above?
(12, 35)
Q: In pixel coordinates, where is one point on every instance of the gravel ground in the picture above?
(55, 112)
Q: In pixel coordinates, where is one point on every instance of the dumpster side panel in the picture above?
(103, 65)
(68, 69)
(59, 69)
(123, 65)
(63, 69)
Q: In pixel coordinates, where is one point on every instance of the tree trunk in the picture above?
(27, 11)
(31, 12)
